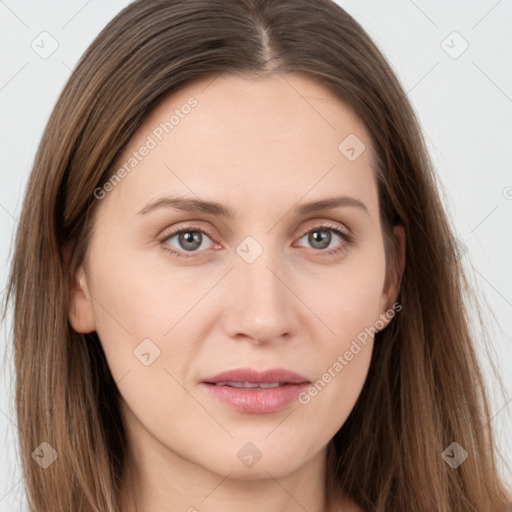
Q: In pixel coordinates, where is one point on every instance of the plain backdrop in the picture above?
(454, 60)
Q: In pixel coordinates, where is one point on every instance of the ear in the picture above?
(399, 267)
(393, 281)
(81, 313)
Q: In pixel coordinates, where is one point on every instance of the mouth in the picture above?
(251, 385)
(251, 391)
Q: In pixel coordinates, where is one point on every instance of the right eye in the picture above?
(190, 240)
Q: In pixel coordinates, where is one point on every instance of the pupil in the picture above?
(319, 237)
(191, 237)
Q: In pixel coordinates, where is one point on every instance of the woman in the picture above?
(204, 341)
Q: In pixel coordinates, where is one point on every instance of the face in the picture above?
(269, 284)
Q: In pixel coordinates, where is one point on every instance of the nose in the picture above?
(262, 306)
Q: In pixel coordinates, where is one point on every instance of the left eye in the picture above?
(320, 237)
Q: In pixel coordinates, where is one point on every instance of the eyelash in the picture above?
(347, 240)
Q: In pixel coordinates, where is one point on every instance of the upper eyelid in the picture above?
(190, 227)
(325, 223)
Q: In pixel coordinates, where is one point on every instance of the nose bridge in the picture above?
(261, 307)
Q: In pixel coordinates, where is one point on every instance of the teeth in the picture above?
(241, 384)
(263, 385)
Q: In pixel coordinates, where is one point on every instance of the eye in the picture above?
(320, 238)
(190, 239)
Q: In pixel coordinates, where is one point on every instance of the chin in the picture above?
(247, 462)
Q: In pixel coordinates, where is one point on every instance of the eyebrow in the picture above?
(217, 209)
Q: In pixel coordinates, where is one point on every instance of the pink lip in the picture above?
(256, 400)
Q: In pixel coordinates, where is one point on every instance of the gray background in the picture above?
(463, 100)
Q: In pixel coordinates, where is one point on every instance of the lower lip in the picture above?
(256, 400)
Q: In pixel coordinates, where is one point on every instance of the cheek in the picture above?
(343, 366)
(348, 302)
(134, 301)
(343, 358)
(350, 307)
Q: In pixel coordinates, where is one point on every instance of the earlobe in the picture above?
(81, 313)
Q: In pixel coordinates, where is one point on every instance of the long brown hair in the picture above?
(424, 388)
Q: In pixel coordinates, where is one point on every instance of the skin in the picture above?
(258, 146)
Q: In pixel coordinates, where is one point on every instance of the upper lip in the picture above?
(256, 376)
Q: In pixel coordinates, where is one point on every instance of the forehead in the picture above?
(281, 136)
